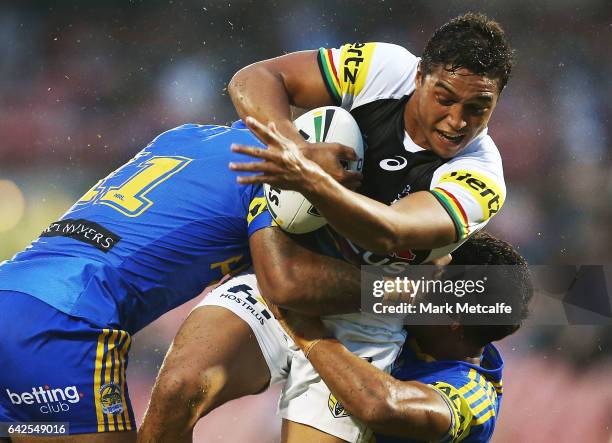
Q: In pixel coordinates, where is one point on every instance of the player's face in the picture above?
(450, 109)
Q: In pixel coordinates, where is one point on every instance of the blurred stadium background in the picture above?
(84, 85)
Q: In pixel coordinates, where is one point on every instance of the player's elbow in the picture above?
(249, 77)
(278, 287)
(414, 418)
(236, 83)
(387, 240)
(375, 411)
(383, 246)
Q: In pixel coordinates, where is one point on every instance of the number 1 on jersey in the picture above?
(130, 197)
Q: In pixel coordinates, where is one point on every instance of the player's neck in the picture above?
(446, 346)
(411, 123)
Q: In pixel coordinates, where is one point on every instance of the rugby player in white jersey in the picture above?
(432, 177)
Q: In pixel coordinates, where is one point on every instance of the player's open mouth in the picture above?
(449, 138)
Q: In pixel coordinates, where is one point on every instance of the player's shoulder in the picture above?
(193, 135)
(473, 399)
(483, 153)
(190, 130)
(351, 55)
(360, 73)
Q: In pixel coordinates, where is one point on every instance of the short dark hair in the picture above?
(471, 41)
(484, 249)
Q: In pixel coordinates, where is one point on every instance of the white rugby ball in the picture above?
(289, 209)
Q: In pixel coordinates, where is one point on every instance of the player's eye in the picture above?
(477, 110)
(444, 101)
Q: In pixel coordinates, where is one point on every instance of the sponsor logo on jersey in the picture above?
(84, 231)
(50, 400)
(336, 408)
(355, 62)
(402, 194)
(110, 399)
(394, 263)
(397, 163)
(483, 188)
(254, 305)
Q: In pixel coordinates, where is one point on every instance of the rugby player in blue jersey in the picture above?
(447, 382)
(145, 239)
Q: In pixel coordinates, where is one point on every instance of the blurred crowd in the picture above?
(85, 85)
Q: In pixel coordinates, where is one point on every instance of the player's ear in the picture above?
(419, 75)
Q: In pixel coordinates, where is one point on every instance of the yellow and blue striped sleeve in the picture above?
(473, 405)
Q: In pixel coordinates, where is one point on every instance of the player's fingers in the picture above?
(252, 151)
(256, 179)
(345, 153)
(266, 167)
(352, 180)
(442, 261)
(263, 132)
(354, 176)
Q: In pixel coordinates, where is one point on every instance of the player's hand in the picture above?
(284, 164)
(334, 158)
(442, 261)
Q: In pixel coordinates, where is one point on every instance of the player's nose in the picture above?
(455, 118)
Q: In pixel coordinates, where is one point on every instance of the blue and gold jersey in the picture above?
(148, 237)
(473, 393)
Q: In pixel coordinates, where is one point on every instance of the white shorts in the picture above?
(306, 398)
(241, 295)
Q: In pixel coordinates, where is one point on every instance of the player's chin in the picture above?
(445, 148)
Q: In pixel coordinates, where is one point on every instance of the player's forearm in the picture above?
(327, 286)
(375, 226)
(296, 278)
(388, 406)
(259, 91)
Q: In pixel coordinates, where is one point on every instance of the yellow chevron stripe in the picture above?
(482, 406)
(491, 391)
(119, 372)
(480, 393)
(123, 356)
(484, 418)
(97, 375)
(467, 387)
(109, 374)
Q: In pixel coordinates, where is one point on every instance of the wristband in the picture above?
(309, 347)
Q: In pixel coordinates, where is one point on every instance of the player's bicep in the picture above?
(422, 223)
(302, 78)
(271, 252)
